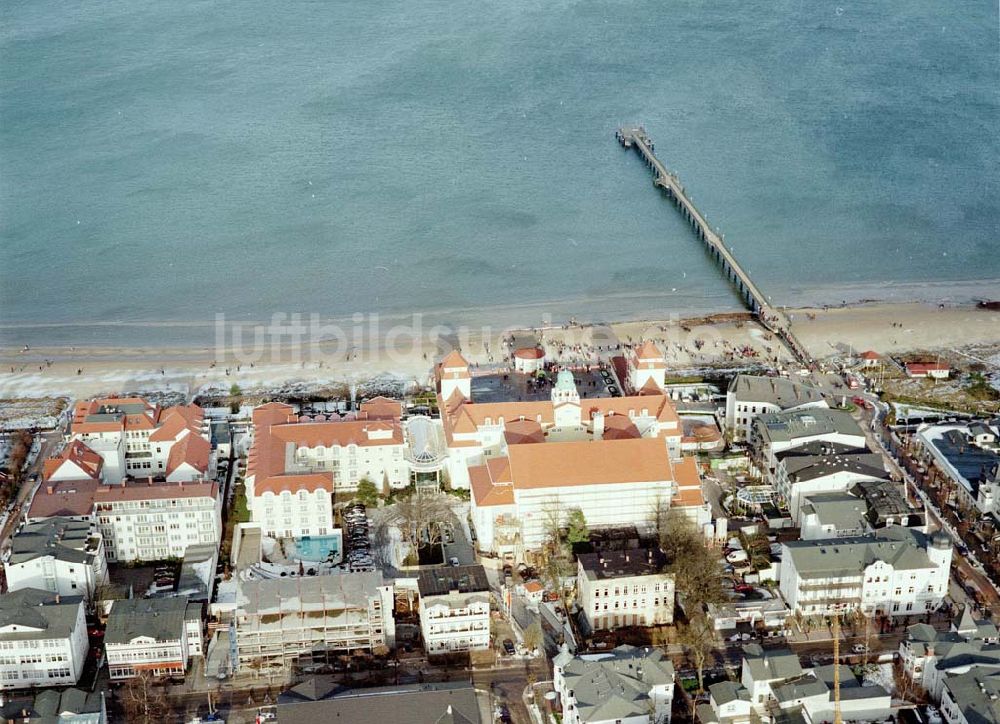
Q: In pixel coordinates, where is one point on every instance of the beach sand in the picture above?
(723, 340)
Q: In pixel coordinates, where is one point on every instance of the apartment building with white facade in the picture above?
(297, 463)
(777, 432)
(156, 636)
(282, 622)
(454, 609)
(749, 396)
(43, 639)
(613, 482)
(58, 555)
(627, 684)
(624, 588)
(147, 520)
(820, 467)
(136, 438)
(475, 432)
(895, 572)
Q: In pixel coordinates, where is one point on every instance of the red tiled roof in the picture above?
(192, 449)
(529, 353)
(520, 432)
(68, 497)
(148, 489)
(586, 462)
(78, 454)
(491, 483)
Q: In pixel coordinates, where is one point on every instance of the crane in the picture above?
(836, 670)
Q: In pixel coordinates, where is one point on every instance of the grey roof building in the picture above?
(70, 706)
(787, 427)
(159, 618)
(452, 579)
(32, 614)
(64, 539)
(972, 698)
(320, 703)
(778, 391)
(621, 564)
(626, 682)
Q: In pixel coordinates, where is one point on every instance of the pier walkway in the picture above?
(770, 317)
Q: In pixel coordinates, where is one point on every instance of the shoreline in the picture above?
(727, 338)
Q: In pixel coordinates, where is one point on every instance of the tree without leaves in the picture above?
(533, 636)
(699, 641)
(697, 576)
(420, 518)
(143, 701)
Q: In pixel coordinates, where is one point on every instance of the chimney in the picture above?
(57, 598)
(50, 488)
(598, 423)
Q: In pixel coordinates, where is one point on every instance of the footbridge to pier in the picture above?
(772, 318)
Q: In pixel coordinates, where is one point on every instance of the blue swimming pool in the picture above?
(319, 548)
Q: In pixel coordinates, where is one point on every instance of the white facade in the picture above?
(283, 622)
(636, 686)
(892, 574)
(797, 491)
(455, 622)
(293, 515)
(43, 640)
(154, 636)
(748, 397)
(623, 588)
(153, 522)
(58, 562)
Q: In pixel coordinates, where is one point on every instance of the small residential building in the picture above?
(155, 636)
(624, 588)
(454, 609)
(287, 621)
(149, 520)
(627, 684)
(750, 395)
(773, 686)
(776, 432)
(934, 370)
(895, 572)
(972, 697)
(43, 639)
(52, 706)
(931, 657)
(832, 515)
(58, 555)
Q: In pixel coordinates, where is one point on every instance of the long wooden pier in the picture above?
(635, 137)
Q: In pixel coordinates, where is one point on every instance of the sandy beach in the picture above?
(722, 340)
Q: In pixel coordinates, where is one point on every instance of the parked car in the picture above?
(508, 647)
(859, 649)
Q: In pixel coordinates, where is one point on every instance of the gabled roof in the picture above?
(193, 450)
(491, 483)
(648, 351)
(80, 455)
(176, 420)
(453, 360)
